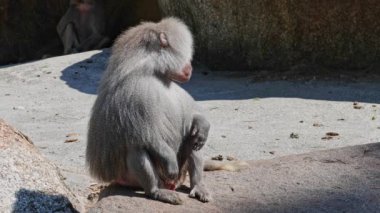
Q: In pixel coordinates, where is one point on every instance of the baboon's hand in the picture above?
(199, 131)
(198, 143)
(198, 138)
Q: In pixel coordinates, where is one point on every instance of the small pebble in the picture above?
(18, 108)
(71, 140)
(219, 157)
(332, 134)
(294, 135)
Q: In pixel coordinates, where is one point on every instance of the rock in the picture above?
(338, 180)
(28, 28)
(28, 182)
(123, 14)
(246, 35)
(18, 108)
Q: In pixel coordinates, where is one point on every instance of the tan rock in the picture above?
(28, 182)
(338, 180)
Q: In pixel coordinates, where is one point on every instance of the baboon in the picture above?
(145, 130)
(141, 118)
(83, 26)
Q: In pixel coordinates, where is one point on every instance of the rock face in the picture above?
(252, 34)
(339, 180)
(229, 34)
(28, 182)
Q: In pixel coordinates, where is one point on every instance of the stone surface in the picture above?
(252, 119)
(254, 34)
(28, 182)
(339, 180)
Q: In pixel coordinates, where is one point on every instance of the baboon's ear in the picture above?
(152, 40)
(164, 40)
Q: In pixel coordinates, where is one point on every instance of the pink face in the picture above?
(184, 75)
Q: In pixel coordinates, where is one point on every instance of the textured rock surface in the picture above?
(340, 180)
(28, 182)
(251, 120)
(252, 34)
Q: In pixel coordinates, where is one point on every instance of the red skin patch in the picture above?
(170, 186)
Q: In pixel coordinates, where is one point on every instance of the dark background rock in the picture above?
(122, 14)
(254, 34)
(28, 28)
(229, 34)
(338, 180)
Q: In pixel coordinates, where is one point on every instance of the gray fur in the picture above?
(141, 118)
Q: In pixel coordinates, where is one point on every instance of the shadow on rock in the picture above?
(115, 189)
(37, 201)
(242, 86)
(85, 75)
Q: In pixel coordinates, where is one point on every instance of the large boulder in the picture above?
(28, 182)
(254, 34)
(338, 180)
